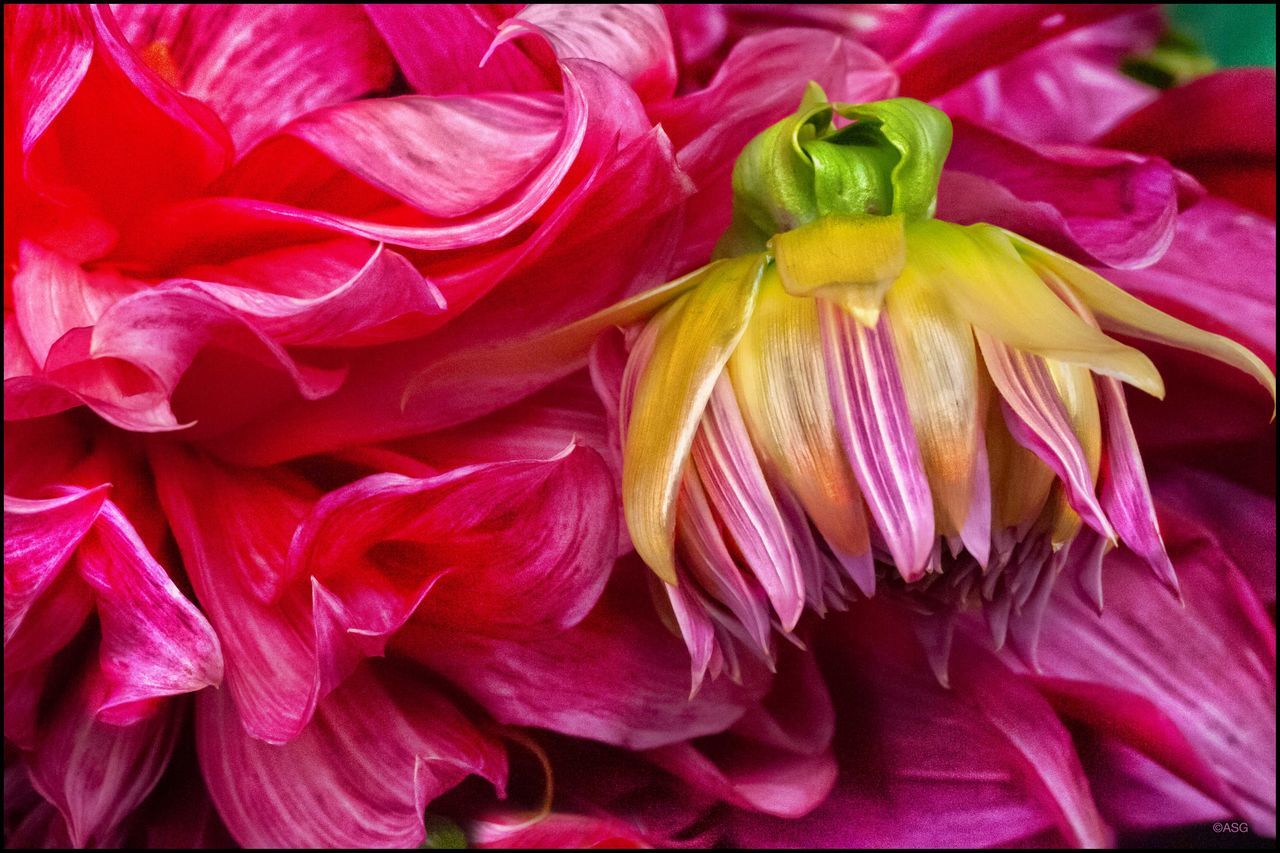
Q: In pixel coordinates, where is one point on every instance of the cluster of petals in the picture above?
(296, 554)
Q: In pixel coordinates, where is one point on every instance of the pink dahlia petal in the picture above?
(1115, 207)
(1069, 89)
(441, 48)
(1230, 143)
(939, 56)
(126, 139)
(985, 763)
(95, 773)
(1216, 682)
(631, 39)
(49, 55)
(258, 66)
(1136, 794)
(155, 643)
(378, 751)
(338, 294)
(39, 538)
(619, 676)
(233, 529)
(506, 549)
(556, 830)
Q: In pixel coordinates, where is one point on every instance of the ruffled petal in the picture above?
(155, 643)
(443, 49)
(259, 66)
(619, 676)
(1115, 207)
(39, 538)
(378, 751)
(630, 39)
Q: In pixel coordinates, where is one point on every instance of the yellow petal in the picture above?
(1124, 313)
(1019, 480)
(1075, 387)
(696, 335)
(850, 260)
(780, 376)
(536, 360)
(988, 284)
(939, 366)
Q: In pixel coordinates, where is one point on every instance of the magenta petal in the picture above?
(51, 49)
(439, 47)
(97, 774)
(258, 66)
(511, 548)
(233, 529)
(984, 763)
(1116, 207)
(555, 831)
(378, 751)
(373, 301)
(619, 676)
(1208, 666)
(630, 39)
(1070, 89)
(1122, 483)
(876, 431)
(155, 643)
(39, 537)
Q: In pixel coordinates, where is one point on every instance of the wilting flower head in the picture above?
(858, 390)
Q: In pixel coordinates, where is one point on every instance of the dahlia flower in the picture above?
(365, 486)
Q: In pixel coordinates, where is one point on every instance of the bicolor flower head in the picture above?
(857, 394)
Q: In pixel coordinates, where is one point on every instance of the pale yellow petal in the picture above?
(939, 366)
(988, 284)
(850, 260)
(780, 377)
(697, 334)
(1126, 314)
(1020, 481)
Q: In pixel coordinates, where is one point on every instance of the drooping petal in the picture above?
(779, 375)
(736, 485)
(1038, 418)
(39, 538)
(630, 39)
(986, 283)
(258, 66)
(698, 333)
(378, 751)
(877, 435)
(155, 643)
(939, 368)
(1126, 314)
